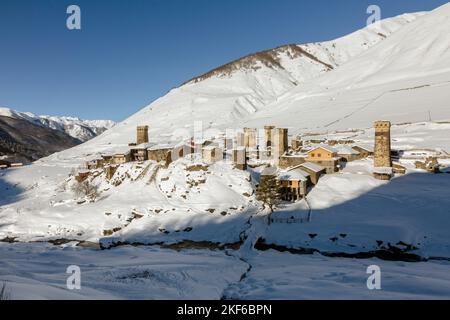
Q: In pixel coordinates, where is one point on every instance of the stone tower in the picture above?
(281, 141)
(382, 152)
(142, 134)
(250, 135)
(240, 158)
(268, 135)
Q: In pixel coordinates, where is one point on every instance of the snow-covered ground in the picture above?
(171, 203)
(38, 271)
(352, 212)
(286, 276)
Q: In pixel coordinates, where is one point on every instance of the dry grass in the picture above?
(270, 58)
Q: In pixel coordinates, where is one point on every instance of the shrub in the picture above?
(86, 189)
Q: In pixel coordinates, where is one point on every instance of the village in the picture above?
(292, 168)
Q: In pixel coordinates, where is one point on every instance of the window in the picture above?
(312, 155)
(319, 155)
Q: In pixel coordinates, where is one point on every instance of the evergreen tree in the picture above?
(268, 191)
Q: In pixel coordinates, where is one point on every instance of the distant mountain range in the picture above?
(82, 130)
(25, 137)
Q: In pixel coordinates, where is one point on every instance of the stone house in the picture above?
(430, 164)
(212, 154)
(139, 152)
(364, 151)
(314, 170)
(347, 153)
(107, 159)
(121, 158)
(293, 184)
(91, 165)
(291, 160)
(296, 144)
(160, 153)
(239, 158)
(182, 150)
(326, 157)
(383, 173)
(398, 168)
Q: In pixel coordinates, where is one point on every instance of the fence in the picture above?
(289, 220)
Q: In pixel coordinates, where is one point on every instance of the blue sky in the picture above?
(129, 53)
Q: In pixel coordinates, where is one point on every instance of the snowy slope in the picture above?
(241, 90)
(405, 78)
(82, 130)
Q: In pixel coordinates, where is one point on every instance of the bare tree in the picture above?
(86, 189)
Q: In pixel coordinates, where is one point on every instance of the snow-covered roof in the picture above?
(312, 166)
(345, 149)
(210, 147)
(294, 175)
(295, 155)
(145, 145)
(364, 146)
(269, 171)
(382, 170)
(161, 146)
(325, 147)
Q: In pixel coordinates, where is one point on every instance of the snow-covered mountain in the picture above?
(82, 130)
(386, 71)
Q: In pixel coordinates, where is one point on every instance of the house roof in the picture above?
(293, 175)
(312, 166)
(325, 147)
(144, 145)
(161, 146)
(346, 149)
(211, 147)
(269, 171)
(364, 147)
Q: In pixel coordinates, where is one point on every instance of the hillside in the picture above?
(22, 141)
(245, 89)
(82, 130)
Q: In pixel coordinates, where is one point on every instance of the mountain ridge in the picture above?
(75, 127)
